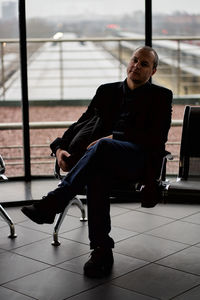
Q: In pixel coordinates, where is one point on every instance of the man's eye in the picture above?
(144, 64)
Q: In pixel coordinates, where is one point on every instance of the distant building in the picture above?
(9, 10)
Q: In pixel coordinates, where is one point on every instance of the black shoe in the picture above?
(39, 212)
(100, 263)
(151, 196)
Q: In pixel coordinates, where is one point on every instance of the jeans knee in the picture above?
(100, 150)
(103, 145)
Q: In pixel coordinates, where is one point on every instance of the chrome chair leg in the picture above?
(75, 201)
(9, 221)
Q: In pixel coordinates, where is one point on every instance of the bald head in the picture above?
(150, 49)
(142, 66)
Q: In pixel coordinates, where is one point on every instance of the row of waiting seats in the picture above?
(186, 185)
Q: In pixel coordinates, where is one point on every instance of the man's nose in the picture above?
(137, 65)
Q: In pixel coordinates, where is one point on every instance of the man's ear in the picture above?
(154, 71)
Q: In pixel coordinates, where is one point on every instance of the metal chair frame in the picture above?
(75, 201)
(3, 213)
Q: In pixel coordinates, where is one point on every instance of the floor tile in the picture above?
(41, 188)
(122, 264)
(44, 228)
(195, 218)
(51, 284)
(74, 211)
(108, 292)
(15, 191)
(24, 236)
(158, 245)
(129, 205)
(119, 234)
(2, 222)
(78, 235)
(81, 234)
(75, 264)
(15, 266)
(157, 281)
(7, 294)
(4, 231)
(15, 214)
(187, 260)
(68, 224)
(45, 252)
(147, 247)
(192, 294)
(2, 250)
(139, 221)
(179, 231)
(117, 210)
(172, 210)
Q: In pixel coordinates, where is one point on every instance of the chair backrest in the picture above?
(189, 164)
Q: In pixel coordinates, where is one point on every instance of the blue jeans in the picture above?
(102, 163)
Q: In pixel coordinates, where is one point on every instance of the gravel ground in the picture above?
(13, 156)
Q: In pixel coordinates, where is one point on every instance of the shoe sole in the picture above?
(30, 215)
(100, 273)
(95, 275)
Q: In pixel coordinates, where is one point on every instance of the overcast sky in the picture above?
(45, 8)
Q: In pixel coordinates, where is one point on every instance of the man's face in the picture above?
(141, 66)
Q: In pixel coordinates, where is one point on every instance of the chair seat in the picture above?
(190, 187)
(3, 177)
(193, 184)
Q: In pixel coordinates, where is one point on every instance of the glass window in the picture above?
(10, 90)
(176, 27)
(68, 58)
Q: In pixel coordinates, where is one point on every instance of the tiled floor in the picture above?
(157, 256)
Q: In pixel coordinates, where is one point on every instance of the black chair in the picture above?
(3, 213)
(187, 183)
(131, 190)
(124, 189)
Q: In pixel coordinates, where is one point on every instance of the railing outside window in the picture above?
(74, 63)
(67, 72)
(43, 163)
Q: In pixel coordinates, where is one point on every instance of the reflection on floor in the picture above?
(157, 256)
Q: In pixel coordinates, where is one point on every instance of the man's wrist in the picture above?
(57, 150)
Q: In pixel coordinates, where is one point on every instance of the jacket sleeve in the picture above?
(64, 141)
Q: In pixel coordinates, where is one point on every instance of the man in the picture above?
(135, 116)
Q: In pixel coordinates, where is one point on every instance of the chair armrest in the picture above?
(2, 169)
(166, 157)
(57, 170)
(2, 165)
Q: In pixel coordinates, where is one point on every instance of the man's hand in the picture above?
(93, 143)
(62, 156)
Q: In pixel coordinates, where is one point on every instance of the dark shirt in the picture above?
(128, 107)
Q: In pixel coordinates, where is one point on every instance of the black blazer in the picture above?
(149, 120)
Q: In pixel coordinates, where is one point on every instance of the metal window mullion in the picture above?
(24, 89)
(148, 23)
